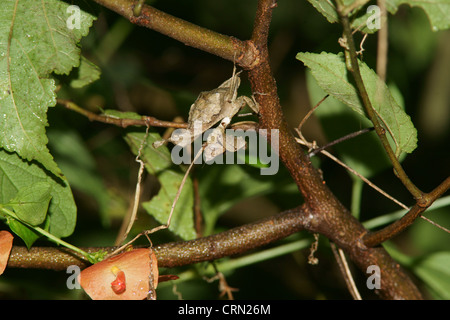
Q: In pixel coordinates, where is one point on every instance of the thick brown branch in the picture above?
(322, 212)
(328, 216)
(231, 242)
(395, 284)
(308, 179)
(190, 34)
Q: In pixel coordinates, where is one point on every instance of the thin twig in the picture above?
(345, 270)
(373, 239)
(137, 193)
(339, 140)
(143, 121)
(382, 48)
(435, 224)
(308, 115)
(224, 288)
(169, 219)
(370, 183)
(381, 132)
(312, 146)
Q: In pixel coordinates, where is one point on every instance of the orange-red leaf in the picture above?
(6, 240)
(104, 281)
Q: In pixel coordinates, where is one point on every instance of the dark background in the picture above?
(148, 73)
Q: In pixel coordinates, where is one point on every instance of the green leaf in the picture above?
(435, 272)
(326, 8)
(432, 269)
(28, 235)
(31, 203)
(364, 154)
(17, 174)
(438, 11)
(223, 186)
(87, 73)
(366, 20)
(359, 17)
(332, 76)
(34, 42)
(182, 223)
(121, 114)
(158, 162)
(81, 170)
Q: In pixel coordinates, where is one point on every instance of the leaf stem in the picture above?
(381, 132)
(143, 121)
(48, 235)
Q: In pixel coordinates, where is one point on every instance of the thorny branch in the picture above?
(321, 212)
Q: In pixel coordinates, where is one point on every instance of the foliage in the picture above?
(54, 162)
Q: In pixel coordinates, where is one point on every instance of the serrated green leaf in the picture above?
(365, 153)
(34, 42)
(17, 174)
(332, 76)
(438, 11)
(435, 272)
(156, 159)
(31, 203)
(182, 222)
(327, 9)
(158, 162)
